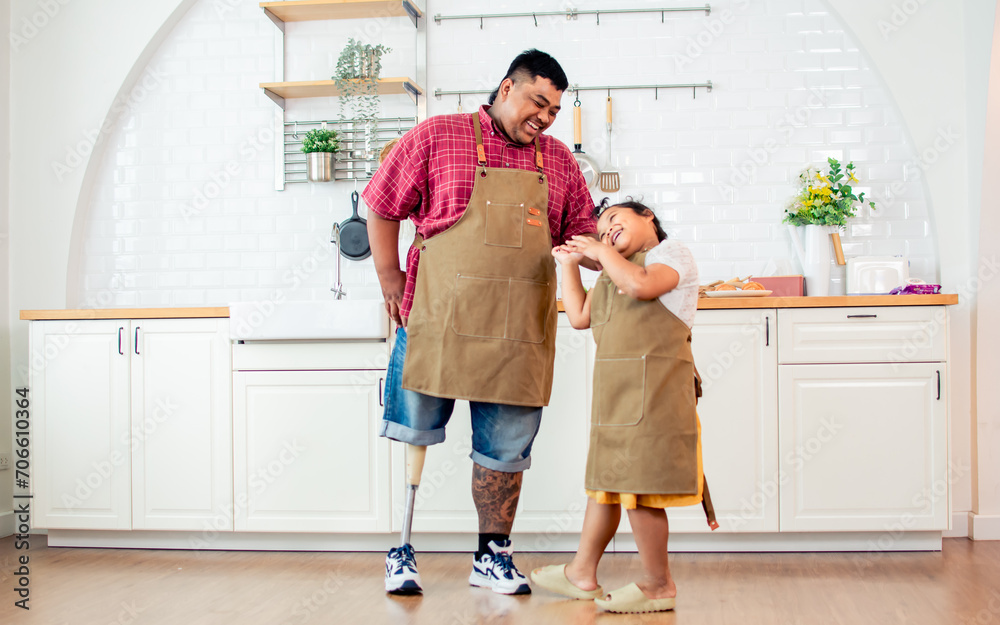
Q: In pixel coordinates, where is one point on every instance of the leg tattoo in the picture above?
(496, 494)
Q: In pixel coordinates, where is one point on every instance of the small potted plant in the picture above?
(822, 207)
(320, 145)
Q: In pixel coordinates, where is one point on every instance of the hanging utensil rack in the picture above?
(357, 158)
(572, 14)
(707, 85)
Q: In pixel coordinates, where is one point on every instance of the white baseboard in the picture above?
(865, 542)
(961, 525)
(984, 526)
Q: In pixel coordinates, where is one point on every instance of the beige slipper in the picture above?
(553, 578)
(630, 599)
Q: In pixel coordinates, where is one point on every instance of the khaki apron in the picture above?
(483, 321)
(644, 429)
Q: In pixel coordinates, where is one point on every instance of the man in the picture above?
(489, 195)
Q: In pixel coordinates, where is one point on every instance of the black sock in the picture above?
(484, 543)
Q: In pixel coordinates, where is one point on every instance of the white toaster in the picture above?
(876, 275)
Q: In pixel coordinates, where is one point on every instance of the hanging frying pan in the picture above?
(591, 172)
(354, 235)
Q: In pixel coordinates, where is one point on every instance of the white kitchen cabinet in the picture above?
(181, 433)
(552, 496)
(864, 447)
(79, 381)
(863, 419)
(131, 424)
(307, 453)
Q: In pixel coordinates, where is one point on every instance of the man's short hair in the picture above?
(531, 64)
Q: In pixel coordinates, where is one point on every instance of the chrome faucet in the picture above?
(338, 288)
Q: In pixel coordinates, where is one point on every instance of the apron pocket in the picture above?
(619, 391)
(480, 306)
(504, 224)
(529, 304)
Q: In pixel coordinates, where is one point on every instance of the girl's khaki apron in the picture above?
(483, 321)
(644, 429)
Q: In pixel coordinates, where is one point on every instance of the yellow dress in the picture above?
(630, 500)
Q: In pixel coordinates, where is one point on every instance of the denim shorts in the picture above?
(501, 434)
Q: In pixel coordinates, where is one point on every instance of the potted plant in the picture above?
(358, 69)
(822, 207)
(320, 145)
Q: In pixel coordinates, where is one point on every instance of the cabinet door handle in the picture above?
(767, 331)
(939, 385)
(862, 316)
(120, 352)
(137, 340)
(380, 402)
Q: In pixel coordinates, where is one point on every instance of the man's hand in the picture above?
(393, 284)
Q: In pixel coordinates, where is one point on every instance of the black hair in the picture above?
(532, 64)
(638, 207)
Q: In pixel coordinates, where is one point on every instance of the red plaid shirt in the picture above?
(428, 178)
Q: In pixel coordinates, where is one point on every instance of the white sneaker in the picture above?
(401, 576)
(497, 572)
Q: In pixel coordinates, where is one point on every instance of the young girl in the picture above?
(645, 449)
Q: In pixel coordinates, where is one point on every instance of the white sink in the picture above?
(303, 320)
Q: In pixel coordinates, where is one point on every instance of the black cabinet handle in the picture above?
(767, 331)
(380, 380)
(137, 340)
(939, 385)
(120, 352)
(862, 316)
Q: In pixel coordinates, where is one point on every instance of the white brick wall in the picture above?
(183, 212)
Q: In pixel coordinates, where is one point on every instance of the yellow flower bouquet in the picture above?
(825, 199)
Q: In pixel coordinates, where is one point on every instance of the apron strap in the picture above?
(481, 152)
(706, 503)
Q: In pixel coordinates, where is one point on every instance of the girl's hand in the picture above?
(588, 247)
(565, 257)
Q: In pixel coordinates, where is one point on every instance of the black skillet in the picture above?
(354, 235)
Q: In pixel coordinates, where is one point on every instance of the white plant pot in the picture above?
(319, 166)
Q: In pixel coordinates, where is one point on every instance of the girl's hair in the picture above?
(638, 207)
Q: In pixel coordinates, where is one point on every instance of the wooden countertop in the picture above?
(704, 303)
(126, 313)
(839, 301)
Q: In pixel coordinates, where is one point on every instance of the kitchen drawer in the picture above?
(310, 355)
(869, 334)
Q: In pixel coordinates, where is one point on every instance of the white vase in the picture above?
(815, 252)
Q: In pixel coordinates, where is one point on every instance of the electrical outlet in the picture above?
(4, 461)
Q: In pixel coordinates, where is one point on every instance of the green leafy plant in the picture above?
(358, 69)
(320, 140)
(825, 199)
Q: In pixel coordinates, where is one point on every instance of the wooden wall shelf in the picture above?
(309, 10)
(280, 91)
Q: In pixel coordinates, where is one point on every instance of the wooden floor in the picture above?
(959, 585)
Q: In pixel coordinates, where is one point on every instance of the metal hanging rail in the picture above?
(572, 14)
(576, 88)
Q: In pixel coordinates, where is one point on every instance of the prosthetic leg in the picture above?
(414, 468)
(401, 576)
